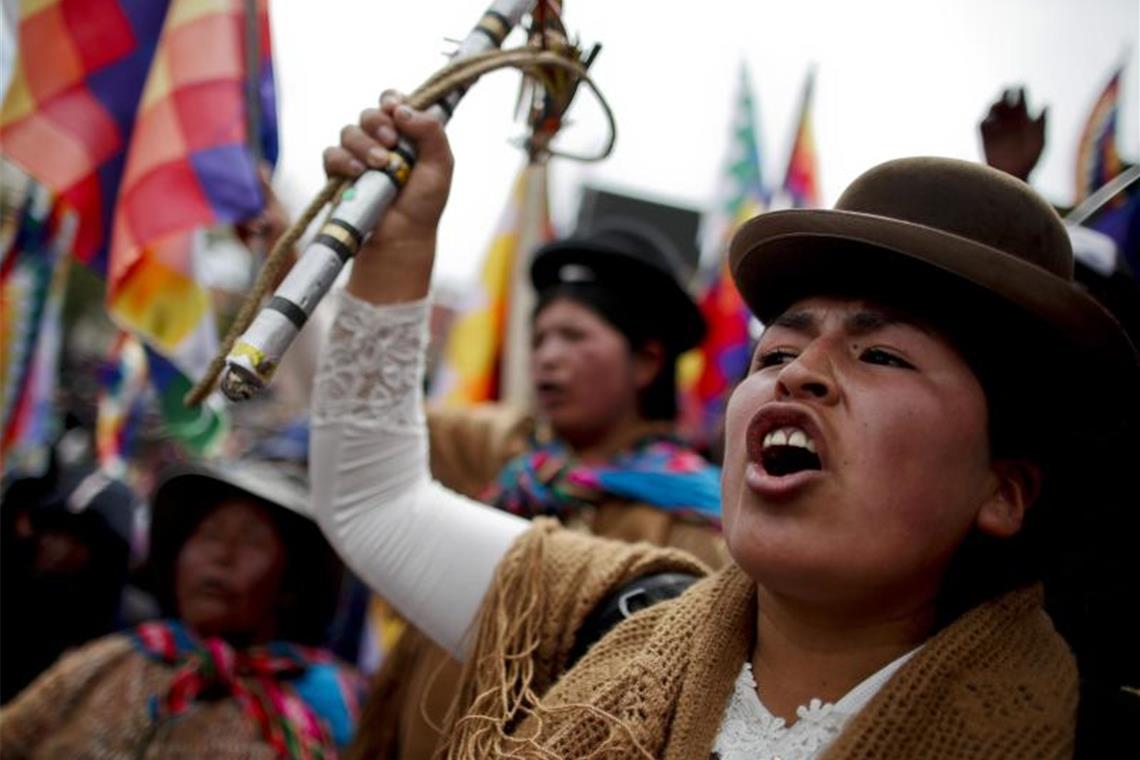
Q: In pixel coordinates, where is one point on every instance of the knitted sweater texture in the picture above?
(998, 682)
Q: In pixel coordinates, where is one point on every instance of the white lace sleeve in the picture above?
(428, 550)
(371, 368)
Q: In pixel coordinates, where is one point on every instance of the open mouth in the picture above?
(548, 392)
(788, 450)
(213, 588)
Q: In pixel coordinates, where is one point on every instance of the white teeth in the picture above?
(790, 436)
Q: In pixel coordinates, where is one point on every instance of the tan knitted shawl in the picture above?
(94, 704)
(997, 683)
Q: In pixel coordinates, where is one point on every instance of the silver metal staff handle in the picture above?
(258, 352)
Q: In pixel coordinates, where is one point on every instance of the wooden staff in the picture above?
(256, 354)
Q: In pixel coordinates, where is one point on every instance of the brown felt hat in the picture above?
(961, 234)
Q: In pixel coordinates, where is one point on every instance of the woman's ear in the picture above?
(647, 363)
(1017, 484)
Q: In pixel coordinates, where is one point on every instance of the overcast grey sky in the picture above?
(895, 77)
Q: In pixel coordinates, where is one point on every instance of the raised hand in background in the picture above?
(1012, 139)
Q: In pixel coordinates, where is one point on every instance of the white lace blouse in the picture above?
(432, 552)
(749, 732)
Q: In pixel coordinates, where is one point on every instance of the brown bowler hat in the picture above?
(937, 226)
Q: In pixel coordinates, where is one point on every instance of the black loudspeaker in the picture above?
(679, 225)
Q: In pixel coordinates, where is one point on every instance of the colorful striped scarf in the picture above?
(263, 680)
(657, 470)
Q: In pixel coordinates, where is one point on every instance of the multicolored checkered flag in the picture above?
(148, 120)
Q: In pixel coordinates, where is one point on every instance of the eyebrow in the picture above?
(862, 322)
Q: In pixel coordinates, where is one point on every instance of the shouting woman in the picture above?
(895, 468)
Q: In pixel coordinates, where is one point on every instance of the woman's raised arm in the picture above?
(427, 550)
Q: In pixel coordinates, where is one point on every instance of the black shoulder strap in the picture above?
(634, 596)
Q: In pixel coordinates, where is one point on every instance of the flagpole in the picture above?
(253, 83)
(805, 104)
(1103, 195)
(257, 244)
(802, 150)
(516, 385)
(547, 109)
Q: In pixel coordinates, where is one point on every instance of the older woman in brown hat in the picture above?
(890, 477)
